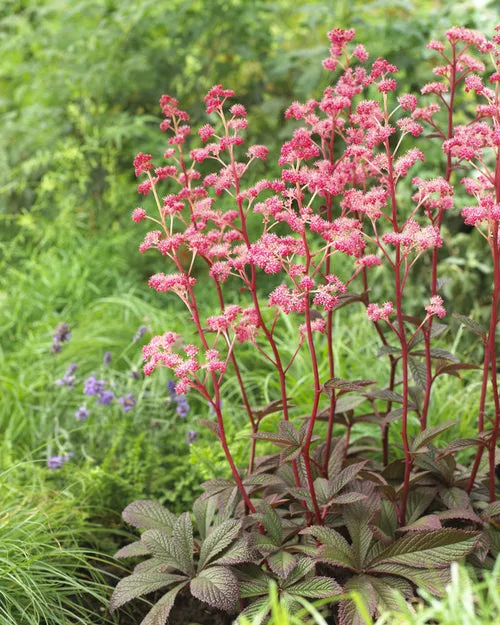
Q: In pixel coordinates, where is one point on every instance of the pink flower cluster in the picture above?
(159, 352)
(326, 200)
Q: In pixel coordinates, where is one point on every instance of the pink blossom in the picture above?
(436, 307)
(138, 215)
(435, 45)
(176, 282)
(142, 163)
(376, 312)
(434, 87)
(205, 132)
(258, 151)
(408, 102)
(370, 260)
(238, 110)
(317, 325)
(406, 162)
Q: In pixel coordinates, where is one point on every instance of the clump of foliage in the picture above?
(326, 514)
(47, 574)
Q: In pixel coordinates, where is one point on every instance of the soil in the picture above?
(189, 611)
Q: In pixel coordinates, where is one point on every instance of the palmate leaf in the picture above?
(265, 545)
(217, 586)
(454, 497)
(438, 353)
(167, 550)
(218, 539)
(271, 522)
(349, 613)
(302, 569)
(347, 498)
(335, 549)
(388, 350)
(423, 524)
(348, 402)
(435, 549)
(213, 426)
(253, 581)
(204, 512)
(136, 548)
(257, 611)
(135, 586)
(282, 563)
(429, 434)
(360, 532)
(345, 476)
(158, 614)
(336, 459)
(146, 514)
(316, 588)
(418, 372)
(454, 368)
(471, 325)
(345, 385)
(182, 534)
(152, 565)
(238, 553)
(492, 510)
(431, 580)
(388, 592)
(459, 444)
(418, 502)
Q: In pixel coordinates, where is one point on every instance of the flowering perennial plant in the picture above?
(366, 522)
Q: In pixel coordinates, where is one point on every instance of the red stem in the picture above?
(402, 339)
(435, 251)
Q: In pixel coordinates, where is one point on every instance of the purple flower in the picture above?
(56, 347)
(182, 406)
(171, 389)
(141, 331)
(192, 435)
(106, 397)
(82, 414)
(62, 333)
(56, 462)
(92, 386)
(107, 358)
(135, 375)
(127, 402)
(68, 378)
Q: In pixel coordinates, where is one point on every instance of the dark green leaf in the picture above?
(158, 615)
(344, 385)
(146, 514)
(471, 325)
(418, 372)
(429, 434)
(316, 588)
(282, 563)
(347, 403)
(167, 549)
(217, 586)
(237, 553)
(271, 522)
(135, 586)
(436, 549)
(345, 476)
(213, 426)
(134, 549)
(388, 350)
(218, 539)
(349, 613)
